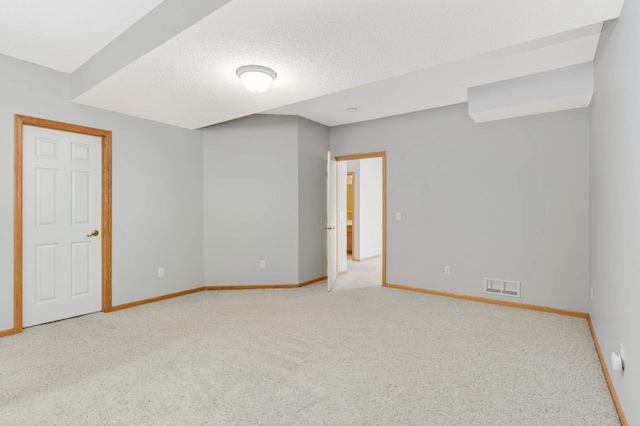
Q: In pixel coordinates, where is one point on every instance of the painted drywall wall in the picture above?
(505, 199)
(614, 201)
(367, 201)
(555, 90)
(251, 201)
(370, 207)
(157, 188)
(313, 144)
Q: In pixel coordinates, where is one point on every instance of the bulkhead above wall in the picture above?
(557, 90)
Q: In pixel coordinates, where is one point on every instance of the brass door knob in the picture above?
(94, 233)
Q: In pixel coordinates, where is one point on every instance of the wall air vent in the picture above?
(502, 287)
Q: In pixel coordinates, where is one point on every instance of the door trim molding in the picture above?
(19, 122)
(383, 156)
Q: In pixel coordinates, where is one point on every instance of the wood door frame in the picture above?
(19, 122)
(383, 156)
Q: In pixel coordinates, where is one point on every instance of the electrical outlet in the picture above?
(160, 272)
(398, 215)
(263, 264)
(447, 270)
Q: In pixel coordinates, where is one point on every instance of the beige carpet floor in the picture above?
(366, 356)
(360, 274)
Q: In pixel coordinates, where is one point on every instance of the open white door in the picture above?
(332, 240)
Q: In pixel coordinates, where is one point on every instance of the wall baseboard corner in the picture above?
(313, 281)
(9, 332)
(155, 299)
(364, 259)
(607, 376)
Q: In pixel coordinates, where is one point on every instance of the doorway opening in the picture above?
(361, 220)
(77, 150)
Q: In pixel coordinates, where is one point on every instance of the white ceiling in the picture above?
(383, 57)
(64, 34)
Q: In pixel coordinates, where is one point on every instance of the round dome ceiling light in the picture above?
(256, 78)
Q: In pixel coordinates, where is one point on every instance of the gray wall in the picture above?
(313, 144)
(251, 201)
(506, 199)
(614, 200)
(157, 188)
(370, 208)
(556, 90)
(367, 205)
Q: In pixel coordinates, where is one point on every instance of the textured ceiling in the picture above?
(383, 57)
(447, 84)
(63, 34)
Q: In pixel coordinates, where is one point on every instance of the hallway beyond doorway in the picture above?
(361, 274)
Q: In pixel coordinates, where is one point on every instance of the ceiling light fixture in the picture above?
(256, 78)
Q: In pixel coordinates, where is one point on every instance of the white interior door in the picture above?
(332, 205)
(62, 248)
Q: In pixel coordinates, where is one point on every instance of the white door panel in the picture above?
(332, 206)
(62, 187)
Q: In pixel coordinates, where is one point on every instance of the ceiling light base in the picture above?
(256, 78)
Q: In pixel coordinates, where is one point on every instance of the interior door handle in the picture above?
(94, 233)
(329, 228)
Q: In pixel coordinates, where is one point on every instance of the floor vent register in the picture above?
(502, 287)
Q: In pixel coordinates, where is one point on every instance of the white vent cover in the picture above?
(502, 287)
